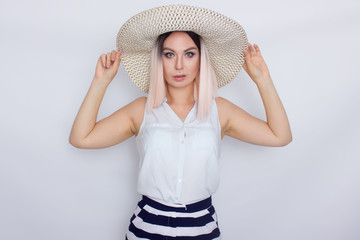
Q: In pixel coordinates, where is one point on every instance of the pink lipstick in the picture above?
(179, 77)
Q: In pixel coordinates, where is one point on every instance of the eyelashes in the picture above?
(171, 54)
(189, 54)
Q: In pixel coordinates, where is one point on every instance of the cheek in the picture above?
(195, 68)
(165, 68)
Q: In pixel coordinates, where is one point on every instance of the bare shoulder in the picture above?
(138, 103)
(224, 106)
(222, 102)
(228, 111)
(130, 116)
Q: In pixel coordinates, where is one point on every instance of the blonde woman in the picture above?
(180, 124)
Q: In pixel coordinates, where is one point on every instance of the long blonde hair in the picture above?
(205, 88)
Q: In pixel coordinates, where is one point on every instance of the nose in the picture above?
(179, 62)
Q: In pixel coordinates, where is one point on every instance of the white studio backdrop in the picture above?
(308, 190)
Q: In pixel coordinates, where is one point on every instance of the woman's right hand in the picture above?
(107, 66)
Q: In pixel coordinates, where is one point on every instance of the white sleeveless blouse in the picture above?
(178, 160)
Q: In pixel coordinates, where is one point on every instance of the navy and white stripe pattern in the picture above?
(156, 221)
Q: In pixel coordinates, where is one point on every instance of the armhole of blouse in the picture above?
(216, 113)
(143, 121)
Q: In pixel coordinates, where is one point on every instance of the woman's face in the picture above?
(180, 59)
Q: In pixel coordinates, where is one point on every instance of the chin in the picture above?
(180, 84)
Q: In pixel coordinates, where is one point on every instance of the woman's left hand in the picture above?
(255, 65)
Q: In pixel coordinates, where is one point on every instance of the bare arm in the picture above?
(86, 132)
(239, 124)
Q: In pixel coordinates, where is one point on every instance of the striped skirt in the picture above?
(156, 221)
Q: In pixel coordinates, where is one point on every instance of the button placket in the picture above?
(182, 148)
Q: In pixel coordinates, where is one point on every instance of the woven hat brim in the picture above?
(224, 38)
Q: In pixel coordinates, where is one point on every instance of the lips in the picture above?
(179, 77)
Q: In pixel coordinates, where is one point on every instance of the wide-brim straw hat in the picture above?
(224, 38)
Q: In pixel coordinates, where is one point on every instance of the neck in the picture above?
(180, 96)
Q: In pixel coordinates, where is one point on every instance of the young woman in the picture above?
(179, 126)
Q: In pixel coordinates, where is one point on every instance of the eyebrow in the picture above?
(190, 48)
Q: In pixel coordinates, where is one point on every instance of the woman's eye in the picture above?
(168, 54)
(189, 54)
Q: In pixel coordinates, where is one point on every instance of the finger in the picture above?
(108, 59)
(251, 50)
(247, 55)
(113, 55)
(117, 58)
(103, 59)
(257, 49)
